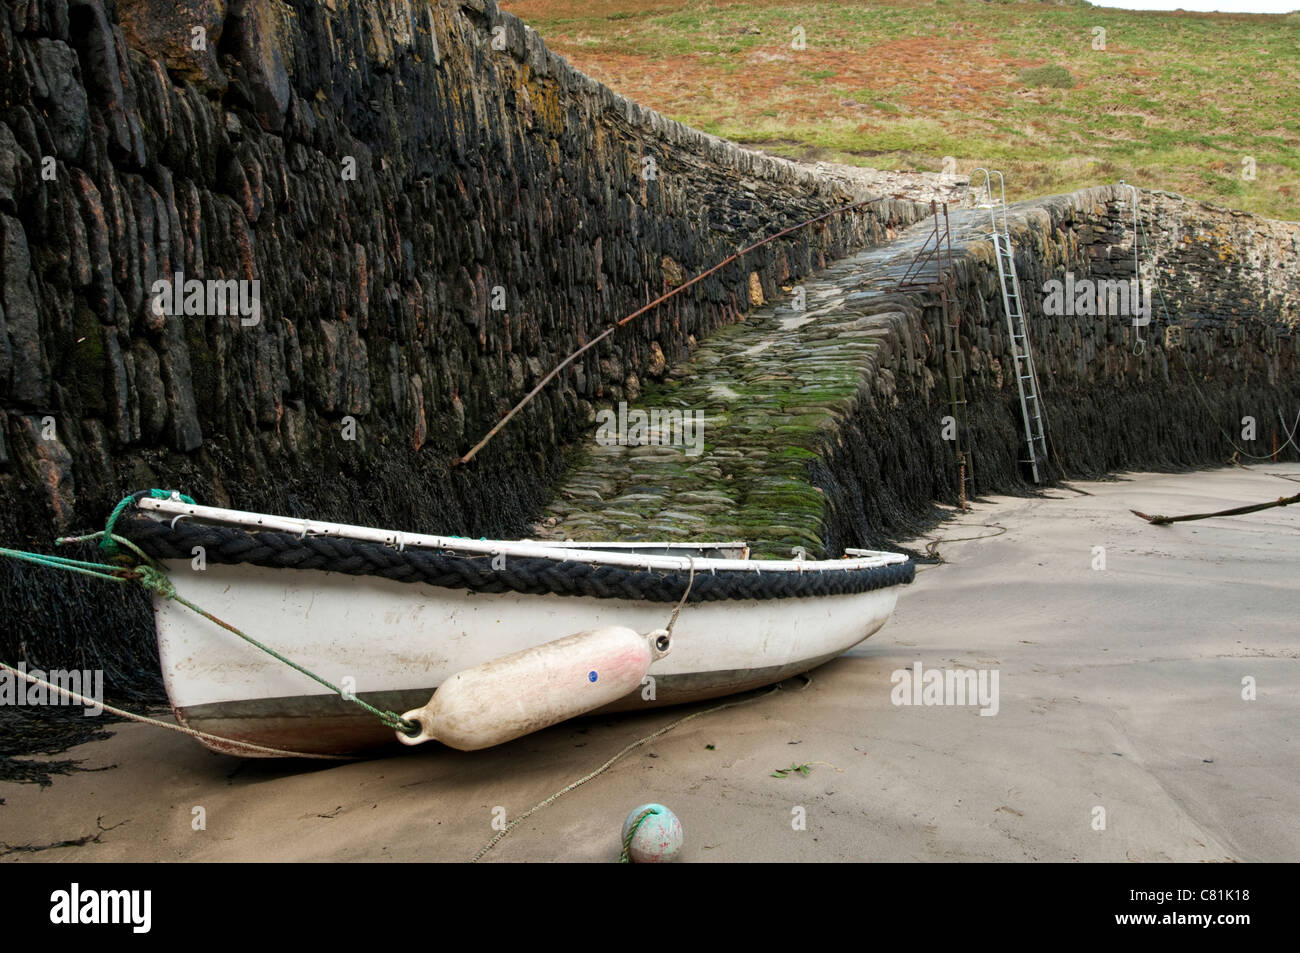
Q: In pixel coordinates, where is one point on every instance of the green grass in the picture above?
(1057, 76)
(1174, 101)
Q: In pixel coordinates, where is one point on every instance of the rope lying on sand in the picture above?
(146, 720)
(608, 764)
(1237, 511)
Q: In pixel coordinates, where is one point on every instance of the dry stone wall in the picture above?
(1221, 346)
(823, 427)
(435, 209)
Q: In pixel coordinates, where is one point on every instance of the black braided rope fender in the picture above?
(531, 575)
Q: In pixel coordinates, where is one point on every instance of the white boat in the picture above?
(391, 616)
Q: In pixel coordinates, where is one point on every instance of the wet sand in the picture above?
(1118, 688)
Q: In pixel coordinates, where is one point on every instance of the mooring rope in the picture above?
(690, 583)
(932, 547)
(1235, 511)
(157, 581)
(145, 719)
(97, 570)
(607, 765)
(109, 543)
(153, 578)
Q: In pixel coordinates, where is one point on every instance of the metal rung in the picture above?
(1030, 407)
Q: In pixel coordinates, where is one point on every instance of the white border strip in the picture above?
(864, 559)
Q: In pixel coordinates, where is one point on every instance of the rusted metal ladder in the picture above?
(937, 251)
(1026, 378)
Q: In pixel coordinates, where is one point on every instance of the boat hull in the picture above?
(393, 644)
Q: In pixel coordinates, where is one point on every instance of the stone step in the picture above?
(760, 399)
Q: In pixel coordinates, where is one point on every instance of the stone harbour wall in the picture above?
(436, 210)
(824, 427)
(1222, 345)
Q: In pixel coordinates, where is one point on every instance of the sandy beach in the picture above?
(1120, 689)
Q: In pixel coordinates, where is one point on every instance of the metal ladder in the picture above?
(1026, 378)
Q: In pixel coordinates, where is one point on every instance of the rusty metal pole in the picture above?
(642, 310)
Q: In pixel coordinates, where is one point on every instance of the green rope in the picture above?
(631, 832)
(118, 540)
(98, 570)
(153, 578)
(158, 582)
(109, 542)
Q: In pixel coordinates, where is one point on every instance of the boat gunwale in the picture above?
(178, 509)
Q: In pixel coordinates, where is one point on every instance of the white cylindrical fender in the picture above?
(526, 691)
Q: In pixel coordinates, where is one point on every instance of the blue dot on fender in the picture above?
(591, 676)
(657, 839)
